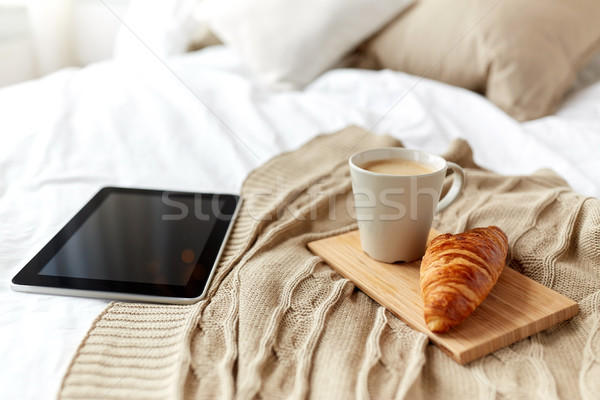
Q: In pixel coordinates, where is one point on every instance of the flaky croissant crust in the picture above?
(458, 272)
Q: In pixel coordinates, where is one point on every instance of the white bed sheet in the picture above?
(201, 124)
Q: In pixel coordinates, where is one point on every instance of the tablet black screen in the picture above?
(133, 237)
(147, 242)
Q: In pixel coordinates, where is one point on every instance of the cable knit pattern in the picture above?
(279, 323)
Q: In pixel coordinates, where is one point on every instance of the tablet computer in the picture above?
(136, 245)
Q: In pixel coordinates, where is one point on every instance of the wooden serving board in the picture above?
(516, 308)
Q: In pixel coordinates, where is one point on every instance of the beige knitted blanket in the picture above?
(279, 323)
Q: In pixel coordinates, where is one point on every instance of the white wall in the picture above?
(16, 52)
(94, 28)
(16, 60)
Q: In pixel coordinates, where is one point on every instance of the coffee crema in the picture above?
(398, 166)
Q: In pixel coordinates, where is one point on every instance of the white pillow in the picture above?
(288, 43)
(156, 28)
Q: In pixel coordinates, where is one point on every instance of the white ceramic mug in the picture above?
(395, 212)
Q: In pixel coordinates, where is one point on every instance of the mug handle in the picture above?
(457, 184)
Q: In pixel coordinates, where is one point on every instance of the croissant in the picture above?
(458, 272)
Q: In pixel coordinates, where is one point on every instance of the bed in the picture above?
(201, 121)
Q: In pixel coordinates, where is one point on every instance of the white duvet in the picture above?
(200, 122)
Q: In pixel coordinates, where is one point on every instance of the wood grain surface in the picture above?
(516, 308)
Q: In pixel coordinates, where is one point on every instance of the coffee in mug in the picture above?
(396, 195)
(398, 166)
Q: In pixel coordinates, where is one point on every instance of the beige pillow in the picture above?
(522, 54)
